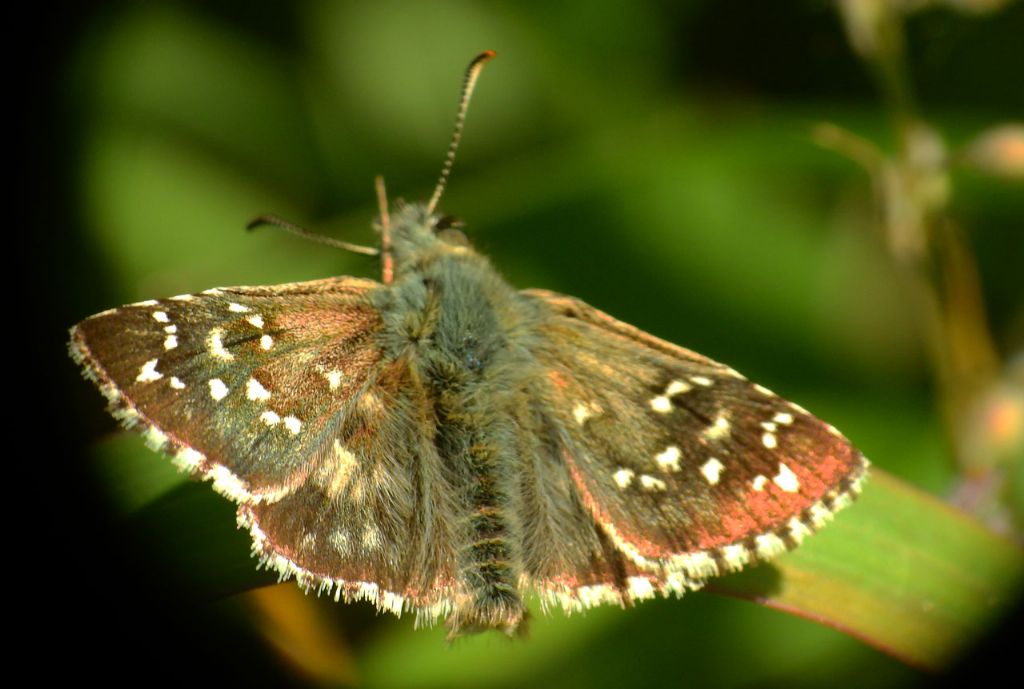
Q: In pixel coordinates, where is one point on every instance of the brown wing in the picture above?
(688, 468)
(370, 522)
(279, 396)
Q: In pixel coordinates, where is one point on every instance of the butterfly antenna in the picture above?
(385, 230)
(468, 84)
(282, 224)
(382, 203)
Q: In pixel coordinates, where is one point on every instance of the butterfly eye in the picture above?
(453, 236)
(446, 221)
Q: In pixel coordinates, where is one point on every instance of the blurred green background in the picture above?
(651, 158)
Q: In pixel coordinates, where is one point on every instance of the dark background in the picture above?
(650, 158)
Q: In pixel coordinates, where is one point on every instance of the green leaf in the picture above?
(899, 570)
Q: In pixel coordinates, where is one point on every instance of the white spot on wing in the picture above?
(336, 475)
(237, 308)
(339, 540)
(652, 483)
(266, 342)
(676, 387)
(786, 479)
(334, 379)
(797, 408)
(720, 428)
(255, 391)
(371, 403)
(270, 418)
(661, 404)
(759, 482)
(308, 542)
(702, 380)
(623, 477)
(769, 440)
(255, 320)
(215, 343)
(668, 460)
(182, 297)
(347, 459)
(171, 342)
(292, 424)
(581, 413)
(783, 418)
(170, 329)
(148, 372)
(176, 383)
(372, 538)
(218, 390)
(161, 317)
(712, 470)
(148, 302)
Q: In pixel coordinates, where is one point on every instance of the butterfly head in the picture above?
(416, 235)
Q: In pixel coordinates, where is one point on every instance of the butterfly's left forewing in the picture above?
(280, 396)
(210, 378)
(689, 469)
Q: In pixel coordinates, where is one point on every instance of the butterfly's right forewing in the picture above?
(687, 467)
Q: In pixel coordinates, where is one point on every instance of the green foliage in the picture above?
(636, 160)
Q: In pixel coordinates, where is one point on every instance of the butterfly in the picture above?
(442, 443)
